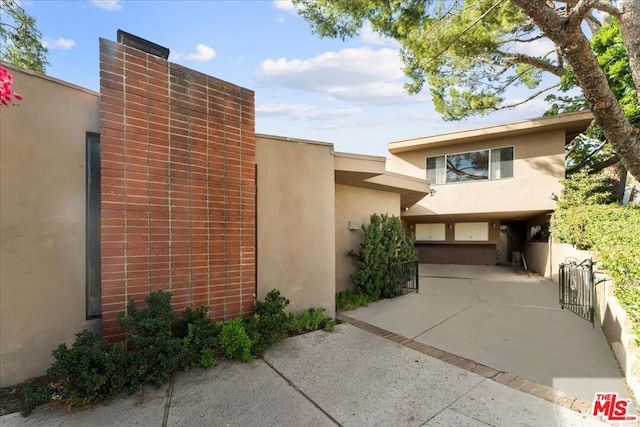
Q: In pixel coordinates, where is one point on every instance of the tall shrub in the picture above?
(384, 241)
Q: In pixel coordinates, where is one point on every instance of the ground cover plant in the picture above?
(159, 342)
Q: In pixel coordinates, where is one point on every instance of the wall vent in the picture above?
(139, 43)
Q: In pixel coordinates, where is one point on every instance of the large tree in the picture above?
(20, 39)
(471, 52)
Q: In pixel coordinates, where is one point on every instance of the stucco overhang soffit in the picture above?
(369, 172)
(353, 169)
(572, 123)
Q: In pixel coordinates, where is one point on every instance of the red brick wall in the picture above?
(178, 186)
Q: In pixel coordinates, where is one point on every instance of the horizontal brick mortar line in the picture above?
(524, 385)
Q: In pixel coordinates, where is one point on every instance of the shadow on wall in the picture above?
(549, 165)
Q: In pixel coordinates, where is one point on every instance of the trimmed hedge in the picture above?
(613, 231)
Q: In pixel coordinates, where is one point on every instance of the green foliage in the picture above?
(155, 350)
(199, 338)
(234, 340)
(20, 38)
(34, 395)
(157, 343)
(583, 188)
(608, 46)
(463, 49)
(88, 372)
(349, 300)
(269, 324)
(384, 240)
(312, 319)
(613, 231)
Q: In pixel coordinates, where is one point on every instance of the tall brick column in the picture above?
(178, 186)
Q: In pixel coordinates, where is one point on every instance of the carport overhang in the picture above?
(363, 171)
(504, 217)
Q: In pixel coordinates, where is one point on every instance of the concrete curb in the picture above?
(566, 400)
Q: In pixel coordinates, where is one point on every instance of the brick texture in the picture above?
(178, 186)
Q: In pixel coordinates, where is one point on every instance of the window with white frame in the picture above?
(480, 165)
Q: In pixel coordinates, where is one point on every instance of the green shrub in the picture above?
(156, 344)
(310, 320)
(613, 231)
(34, 395)
(88, 372)
(349, 300)
(234, 340)
(269, 324)
(199, 338)
(155, 351)
(384, 240)
(584, 188)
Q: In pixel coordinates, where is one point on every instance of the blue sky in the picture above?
(347, 93)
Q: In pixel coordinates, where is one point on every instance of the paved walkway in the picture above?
(508, 321)
(349, 377)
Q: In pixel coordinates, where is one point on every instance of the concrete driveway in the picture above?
(508, 321)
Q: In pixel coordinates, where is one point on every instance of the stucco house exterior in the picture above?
(159, 181)
(492, 188)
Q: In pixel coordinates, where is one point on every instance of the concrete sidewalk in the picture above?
(348, 377)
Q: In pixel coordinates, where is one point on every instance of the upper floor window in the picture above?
(496, 163)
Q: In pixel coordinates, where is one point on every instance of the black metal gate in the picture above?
(404, 275)
(577, 287)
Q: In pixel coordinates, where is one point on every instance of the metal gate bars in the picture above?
(577, 287)
(404, 276)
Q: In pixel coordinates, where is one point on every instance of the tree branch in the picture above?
(600, 5)
(536, 62)
(463, 32)
(529, 98)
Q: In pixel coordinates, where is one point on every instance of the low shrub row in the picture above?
(159, 342)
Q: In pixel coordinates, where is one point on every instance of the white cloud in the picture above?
(108, 4)
(59, 43)
(368, 36)
(285, 6)
(304, 112)
(280, 19)
(362, 74)
(540, 47)
(203, 53)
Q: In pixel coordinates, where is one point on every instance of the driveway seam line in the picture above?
(296, 388)
(444, 320)
(557, 397)
(460, 397)
(167, 405)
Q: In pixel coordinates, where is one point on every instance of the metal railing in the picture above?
(576, 287)
(404, 276)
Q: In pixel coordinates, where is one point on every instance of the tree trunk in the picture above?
(618, 175)
(605, 107)
(630, 28)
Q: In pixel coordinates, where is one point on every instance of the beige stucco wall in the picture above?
(545, 258)
(356, 205)
(296, 221)
(42, 222)
(538, 168)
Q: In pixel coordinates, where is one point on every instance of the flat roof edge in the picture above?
(559, 121)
